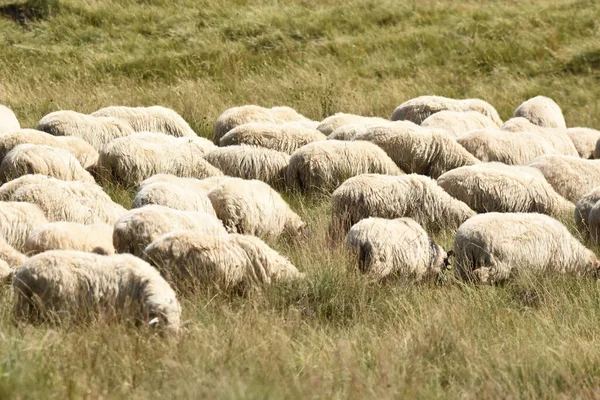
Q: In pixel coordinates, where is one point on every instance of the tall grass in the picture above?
(335, 334)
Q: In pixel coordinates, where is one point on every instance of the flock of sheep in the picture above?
(203, 209)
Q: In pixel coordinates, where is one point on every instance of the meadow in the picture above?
(335, 334)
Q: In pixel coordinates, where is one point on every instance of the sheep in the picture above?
(82, 150)
(241, 115)
(333, 122)
(597, 150)
(96, 238)
(17, 220)
(288, 114)
(8, 120)
(559, 139)
(490, 187)
(76, 285)
(571, 177)
(512, 148)
(286, 138)
(249, 162)
(252, 207)
(349, 131)
(205, 184)
(149, 119)
(190, 259)
(542, 111)
(398, 247)
(63, 202)
(45, 160)
(418, 150)
(323, 166)
(583, 209)
(386, 196)
(459, 122)
(420, 108)
(584, 140)
(11, 256)
(139, 227)
(97, 131)
(494, 247)
(179, 195)
(132, 159)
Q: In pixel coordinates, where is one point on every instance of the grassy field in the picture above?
(334, 335)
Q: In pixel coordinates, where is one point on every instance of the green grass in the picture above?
(334, 335)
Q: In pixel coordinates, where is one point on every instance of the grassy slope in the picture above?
(335, 335)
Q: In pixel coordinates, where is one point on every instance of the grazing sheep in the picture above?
(27, 159)
(178, 195)
(323, 166)
(11, 256)
(512, 148)
(493, 247)
(97, 131)
(82, 150)
(95, 238)
(252, 207)
(139, 227)
(542, 111)
(349, 131)
(398, 247)
(420, 108)
(132, 159)
(571, 177)
(583, 209)
(459, 122)
(205, 184)
(418, 150)
(241, 115)
(233, 262)
(386, 196)
(149, 119)
(497, 187)
(286, 138)
(249, 162)
(559, 139)
(585, 140)
(77, 285)
(8, 120)
(71, 203)
(17, 220)
(333, 122)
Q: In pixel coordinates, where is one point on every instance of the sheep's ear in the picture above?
(450, 253)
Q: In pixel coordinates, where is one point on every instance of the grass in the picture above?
(335, 335)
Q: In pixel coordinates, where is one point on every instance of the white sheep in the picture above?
(571, 177)
(349, 131)
(250, 162)
(582, 211)
(76, 285)
(241, 115)
(97, 131)
(11, 256)
(494, 247)
(418, 150)
(324, 165)
(559, 139)
(585, 140)
(189, 259)
(82, 150)
(542, 111)
(459, 122)
(27, 159)
(252, 207)
(489, 187)
(149, 119)
(139, 227)
(387, 196)
(288, 114)
(132, 159)
(286, 137)
(396, 248)
(96, 238)
(17, 220)
(179, 194)
(420, 108)
(512, 148)
(333, 122)
(8, 120)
